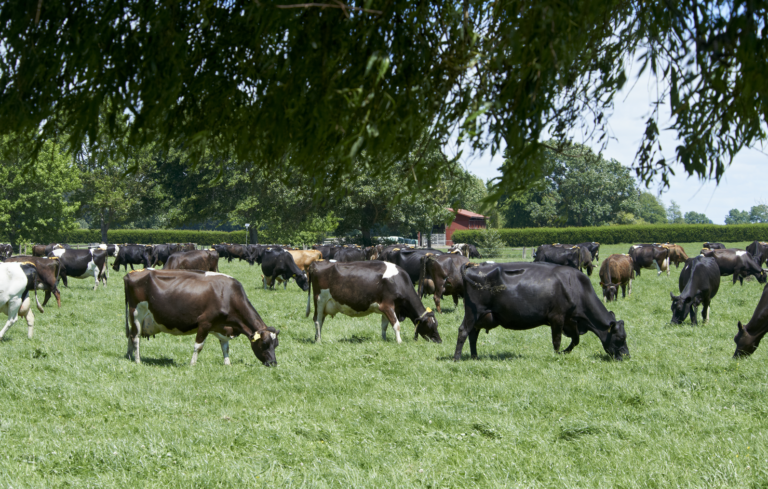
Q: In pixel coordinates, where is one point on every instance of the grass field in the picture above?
(355, 411)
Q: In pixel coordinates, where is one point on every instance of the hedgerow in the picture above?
(151, 236)
(661, 233)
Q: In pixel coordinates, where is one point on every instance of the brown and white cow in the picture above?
(616, 271)
(677, 254)
(186, 302)
(205, 260)
(441, 275)
(361, 288)
(649, 256)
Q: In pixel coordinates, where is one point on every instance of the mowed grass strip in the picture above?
(357, 411)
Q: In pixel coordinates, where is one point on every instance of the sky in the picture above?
(740, 188)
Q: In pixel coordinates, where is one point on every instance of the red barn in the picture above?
(464, 220)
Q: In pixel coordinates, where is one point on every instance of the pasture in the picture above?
(355, 411)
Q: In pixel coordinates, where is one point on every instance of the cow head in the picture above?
(681, 307)
(746, 344)
(301, 281)
(426, 326)
(615, 342)
(763, 277)
(263, 345)
(610, 292)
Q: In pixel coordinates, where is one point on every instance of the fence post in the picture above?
(523, 252)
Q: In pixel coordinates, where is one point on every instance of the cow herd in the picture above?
(190, 297)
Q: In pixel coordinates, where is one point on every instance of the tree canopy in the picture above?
(260, 82)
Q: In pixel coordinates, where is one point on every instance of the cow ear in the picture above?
(612, 329)
(672, 295)
(741, 328)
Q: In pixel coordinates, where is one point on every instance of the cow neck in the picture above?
(686, 292)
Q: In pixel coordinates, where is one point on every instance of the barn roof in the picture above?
(467, 213)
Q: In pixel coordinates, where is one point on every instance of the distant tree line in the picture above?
(757, 214)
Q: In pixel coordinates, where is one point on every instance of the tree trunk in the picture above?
(366, 236)
(429, 240)
(104, 228)
(253, 234)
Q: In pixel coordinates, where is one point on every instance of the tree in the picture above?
(758, 213)
(650, 209)
(693, 217)
(736, 216)
(263, 81)
(674, 214)
(35, 202)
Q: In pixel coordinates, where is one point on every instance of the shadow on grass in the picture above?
(355, 339)
(496, 357)
(159, 362)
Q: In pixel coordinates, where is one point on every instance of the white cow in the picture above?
(16, 280)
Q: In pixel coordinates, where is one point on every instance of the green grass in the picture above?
(357, 411)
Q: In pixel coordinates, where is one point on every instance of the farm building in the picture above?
(442, 236)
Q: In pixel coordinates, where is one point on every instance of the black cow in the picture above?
(328, 251)
(160, 254)
(748, 338)
(441, 275)
(713, 246)
(348, 255)
(221, 249)
(205, 260)
(186, 302)
(408, 259)
(82, 264)
(361, 288)
(569, 256)
(585, 260)
(240, 252)
(277, 263)
(758, 250)
(593, 247)
(521, 296)
(132, 255)
(48, 272)
(648, 256)
(738, 263)
(698, 284)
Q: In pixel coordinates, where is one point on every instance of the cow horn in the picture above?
(741, 327)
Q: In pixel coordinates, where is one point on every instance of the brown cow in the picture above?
(48, 272)
(186, 302)
(616, 270)
(205, 260)
(441, 275)
(677, 254)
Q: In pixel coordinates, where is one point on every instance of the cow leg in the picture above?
(623, 291)
(669, 270)
(199, 344)
(574, 336)
(694, 313)
(463, 333)
(658, 268)
(26, 312)
(133, 333)
(224, 347)
(557, 336)
(706, 311)
(320, 302)
(13, 306)
(126, 268)
(473, 342)
(389, 313)
(384, 325)
(630, 286)
(437, 303)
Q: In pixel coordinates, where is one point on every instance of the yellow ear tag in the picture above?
(255, 339)
(429, 310)
(294, 275)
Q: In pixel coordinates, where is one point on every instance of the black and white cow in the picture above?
(738, 263)
(698, 284)
(408, 259)
(522, 296)
(16, 280)
(361, 288)
(82, 264)
(187, 302)
(466, 249)
(759, 251)
(278, 263)
(6, 251)
(569, 256)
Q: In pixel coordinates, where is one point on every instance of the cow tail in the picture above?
(422, 275)
(39, 307)
(309, 291)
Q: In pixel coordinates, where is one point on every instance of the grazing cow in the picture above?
(713, 246)
(349, 254)
(6, 251)
(593, 247)
(585, 258)
(221, 249)
(698, 284)
(468, 250)
(186, 302)
(758, 251)
(738, 263)
(240, 252)
(441, 275)
(205, 260)
(82, 264)
(521, 296)
(16, 280)
(371, 252)
(677, 254)
(160, 254)
(748, 338)
(278, 263)
(361, 288)
(649, 256)
(616, 271)
(570, 256)
(48, 272)
(409, 260)
(132, 255)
